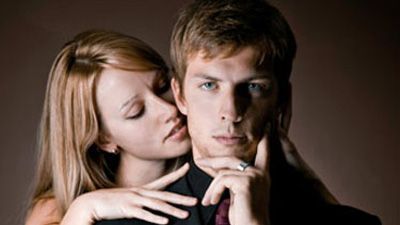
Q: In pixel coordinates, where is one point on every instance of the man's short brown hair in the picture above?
(223, 27)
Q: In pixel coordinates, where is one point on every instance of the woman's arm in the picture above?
(44, 212)
(293, 157)
(117, 203)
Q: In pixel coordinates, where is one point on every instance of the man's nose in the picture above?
(166, 110)
(230, 107)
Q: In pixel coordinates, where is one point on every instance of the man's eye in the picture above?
(253, 87)
(208, 86)
(257, 87)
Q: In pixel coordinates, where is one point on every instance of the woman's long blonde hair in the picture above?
(69, 162)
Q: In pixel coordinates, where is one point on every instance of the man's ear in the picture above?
(178, 95)
(105, 143)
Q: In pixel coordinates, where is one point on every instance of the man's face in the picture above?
(227, 103)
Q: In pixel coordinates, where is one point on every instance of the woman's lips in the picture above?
(178, 133)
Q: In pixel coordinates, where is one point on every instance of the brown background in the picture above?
(346, 87)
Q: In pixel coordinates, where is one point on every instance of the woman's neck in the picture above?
(134, 172)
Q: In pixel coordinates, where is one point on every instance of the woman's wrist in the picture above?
(79, 212)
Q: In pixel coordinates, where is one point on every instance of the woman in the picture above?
(108, 121)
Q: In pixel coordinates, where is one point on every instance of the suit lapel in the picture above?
(195, 183)
(182, 187)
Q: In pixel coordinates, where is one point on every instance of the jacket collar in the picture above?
(194, 183)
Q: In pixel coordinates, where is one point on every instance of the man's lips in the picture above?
(229, 140)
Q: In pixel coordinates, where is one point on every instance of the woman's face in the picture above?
(139, 116)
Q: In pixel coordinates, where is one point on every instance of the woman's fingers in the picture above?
(145, 215)
(120, 203)
(136, 203)
(170, 197)
(161, 206)
(262, 155)
(168, 179)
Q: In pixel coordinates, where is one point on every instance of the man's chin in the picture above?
(240, 152)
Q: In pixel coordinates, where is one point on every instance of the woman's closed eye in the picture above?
(136, 114)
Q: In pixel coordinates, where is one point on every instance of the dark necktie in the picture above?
(222, 216)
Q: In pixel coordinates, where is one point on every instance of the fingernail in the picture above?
(163, 220)
(193, 201)
(184, 214)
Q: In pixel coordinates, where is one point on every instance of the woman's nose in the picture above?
(166, 109)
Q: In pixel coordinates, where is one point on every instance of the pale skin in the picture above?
(117, 203)
(129, 202)
(226, 128)
(226, 102)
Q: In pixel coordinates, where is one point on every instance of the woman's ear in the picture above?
(105, 143)
(178, 95)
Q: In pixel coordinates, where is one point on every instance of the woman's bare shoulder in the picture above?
(44, 212)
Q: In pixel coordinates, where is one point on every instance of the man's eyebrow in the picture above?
(259, 77)
(256, 76)
(205, 77)
(126, 103)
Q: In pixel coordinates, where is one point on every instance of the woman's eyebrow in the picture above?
(127, 102)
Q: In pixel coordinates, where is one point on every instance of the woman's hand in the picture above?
(293, 157)
(117, 203)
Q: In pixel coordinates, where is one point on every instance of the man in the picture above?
(232, 61)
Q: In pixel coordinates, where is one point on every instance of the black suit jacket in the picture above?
(194, 183)
(291, 202)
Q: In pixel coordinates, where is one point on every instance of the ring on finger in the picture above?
(242, 166)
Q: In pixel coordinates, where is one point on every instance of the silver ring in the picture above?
(242, 166)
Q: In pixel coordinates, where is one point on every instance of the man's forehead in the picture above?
(224, 51)
(257, 56)
(241, 64)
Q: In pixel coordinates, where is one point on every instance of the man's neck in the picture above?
(133, 172)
